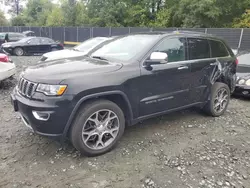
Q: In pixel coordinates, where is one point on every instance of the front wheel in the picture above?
(97, 128)
(18, 51)
(219, 100)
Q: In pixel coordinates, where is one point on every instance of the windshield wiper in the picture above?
(99, 57)
(76, 49)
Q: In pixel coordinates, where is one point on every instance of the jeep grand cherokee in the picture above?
(138, 76)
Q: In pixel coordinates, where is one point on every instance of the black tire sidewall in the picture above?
(83, 115)
(16, 53)
(215, 88)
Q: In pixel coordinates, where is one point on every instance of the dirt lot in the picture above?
(184, 149)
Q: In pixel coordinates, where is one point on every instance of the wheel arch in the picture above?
(118, 97)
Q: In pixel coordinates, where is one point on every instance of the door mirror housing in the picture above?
(157, 58)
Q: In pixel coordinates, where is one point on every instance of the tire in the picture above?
(18, 51)
(85, 117)
(210, 107)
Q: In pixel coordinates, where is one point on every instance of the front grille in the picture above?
(26, 88)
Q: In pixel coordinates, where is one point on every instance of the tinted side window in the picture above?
(218, 49)
(46, 41)
(34, 41)
(198, 48)
(174, 47)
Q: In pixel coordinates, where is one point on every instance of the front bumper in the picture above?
(54, 125)
(242, 90)
(7, 50)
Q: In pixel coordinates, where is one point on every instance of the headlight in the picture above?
(241, 81)
(51, 90)
(6, 46)
(247, 82)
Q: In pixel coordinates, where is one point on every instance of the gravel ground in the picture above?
(183, 149)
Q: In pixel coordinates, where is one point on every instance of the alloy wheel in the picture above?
(100, 129)
(221, 100)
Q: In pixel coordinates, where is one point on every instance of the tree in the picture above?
(15, 6)
(55, 18)
(243, 21)
(3, 20)
(81, 12)
(18, 21)
(207, 13)
(37, 12)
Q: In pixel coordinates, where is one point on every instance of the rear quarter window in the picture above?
(218, 49)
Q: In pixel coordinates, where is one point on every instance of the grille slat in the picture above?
(26, 88)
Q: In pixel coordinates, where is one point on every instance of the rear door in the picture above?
(45, 45)
(202, 67)
(227, 62)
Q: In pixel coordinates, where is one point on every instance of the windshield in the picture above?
(125, 48)
(244, 59)
(89, 44)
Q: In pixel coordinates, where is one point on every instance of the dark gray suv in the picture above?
(134, 77)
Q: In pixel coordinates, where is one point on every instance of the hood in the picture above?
(11, 44)
(53, 72)
(243, 71)
(63, 54)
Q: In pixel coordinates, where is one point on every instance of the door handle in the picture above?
(182, 67)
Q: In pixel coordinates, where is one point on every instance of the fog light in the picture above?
(43, 116)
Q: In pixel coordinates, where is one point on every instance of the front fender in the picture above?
(93, 96)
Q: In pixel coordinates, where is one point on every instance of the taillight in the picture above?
(236, 61)
(4, 59)
(61, 45)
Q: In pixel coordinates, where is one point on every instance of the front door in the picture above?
(166, 86)
(33, 46)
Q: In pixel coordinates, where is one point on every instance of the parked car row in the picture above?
(91, 92)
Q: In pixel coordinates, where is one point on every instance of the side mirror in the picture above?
(157, 58)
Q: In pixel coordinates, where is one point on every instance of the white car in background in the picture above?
(80, 50)
(7, 67)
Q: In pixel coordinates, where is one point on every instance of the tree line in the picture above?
(129, 13)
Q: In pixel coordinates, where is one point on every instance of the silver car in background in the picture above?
(80, 50)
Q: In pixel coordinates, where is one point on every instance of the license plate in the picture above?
(14, 103)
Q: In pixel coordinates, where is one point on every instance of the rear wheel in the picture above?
(220, 97)
(54, 49)
(97, 128)
(18, 51)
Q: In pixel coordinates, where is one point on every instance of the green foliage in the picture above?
(135, 13)
(55, 18)
(207, 13)
(18, 21)
(37, 12)
(243, 21)
(3, 20)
